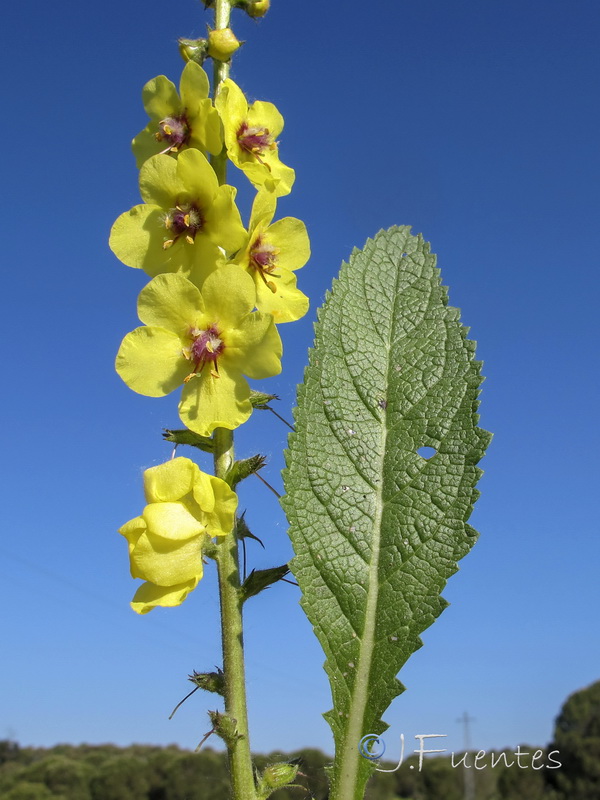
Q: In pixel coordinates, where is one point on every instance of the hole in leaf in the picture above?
(426, 452)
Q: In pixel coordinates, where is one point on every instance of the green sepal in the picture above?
(242, 531)
(185, 436)
(260, 400)
(210, 549)
(209, 681)
(240, 470)
(260, 579)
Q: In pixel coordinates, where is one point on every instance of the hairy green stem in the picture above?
(240, 758)
(220, 72)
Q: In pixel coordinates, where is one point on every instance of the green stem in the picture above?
(240, 757)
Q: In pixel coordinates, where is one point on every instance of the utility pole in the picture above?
(468, 775)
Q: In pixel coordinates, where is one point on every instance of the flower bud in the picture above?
(278, 775)
(193, 50)
(225, 727)
(209, 681)
(222, 44)
(258, 8)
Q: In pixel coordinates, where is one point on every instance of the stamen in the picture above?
(255, 140)
(207, 346)
(263, 258)
(184, 220)
(175, 131)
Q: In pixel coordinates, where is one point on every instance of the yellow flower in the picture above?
(186, 217)
(185, 509)
(177, 123)
(206, 341)
(270, 255)
(251, 138)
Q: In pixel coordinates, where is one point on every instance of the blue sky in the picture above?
(474, 122)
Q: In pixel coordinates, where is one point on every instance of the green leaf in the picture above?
(377, 529)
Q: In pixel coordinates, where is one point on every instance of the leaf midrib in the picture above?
(349, 763)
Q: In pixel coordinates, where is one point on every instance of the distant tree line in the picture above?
(107, 772)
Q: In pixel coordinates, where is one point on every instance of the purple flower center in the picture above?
(206, 347)
(184, 220)
(254, 140)
(263, 256)
(174, 130)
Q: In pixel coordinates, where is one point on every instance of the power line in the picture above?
(468, 775)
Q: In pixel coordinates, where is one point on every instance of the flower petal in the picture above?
(151, 362)
(197, 179)
(172, 522)
(221, 522)
(265, 115)
(255, 347)
(160, 98)
(271, 174)
(132, 531)
(208, 402)
(290, 237)
(169, 481)
(160, 184)
(148, 596)
(203, 493)
(171, 301)
(145, 145)
(134, 232)
(206, 130)
(165, 564)
(287, 303)
(207, 259)
(263, 209)
(229, 295)
(223, 222)
(232, 106)
(193, 85)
